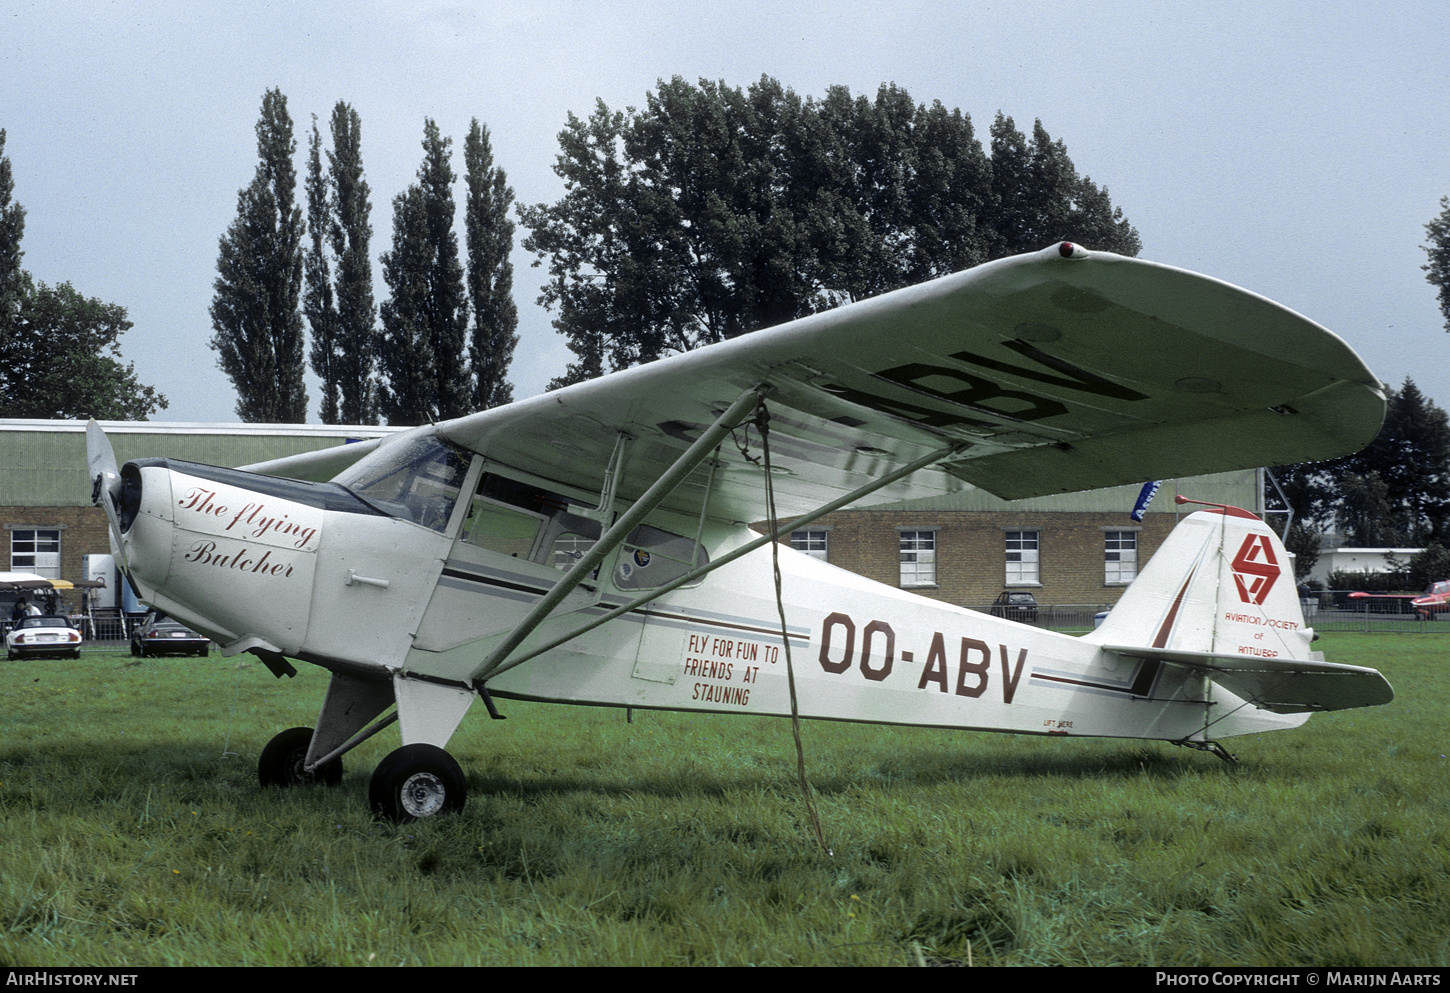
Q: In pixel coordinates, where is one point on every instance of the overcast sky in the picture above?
(1296, 149)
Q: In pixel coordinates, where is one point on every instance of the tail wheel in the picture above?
(416, 782)
(282, 761)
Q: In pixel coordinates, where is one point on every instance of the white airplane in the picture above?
(590, 545)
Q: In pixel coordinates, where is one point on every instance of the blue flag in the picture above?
(1145, 497)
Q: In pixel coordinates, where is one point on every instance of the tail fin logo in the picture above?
(1255, 569)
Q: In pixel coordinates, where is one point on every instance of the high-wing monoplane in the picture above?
(590, 545)
(1435, 600)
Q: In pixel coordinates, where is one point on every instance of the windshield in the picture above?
(417, 480)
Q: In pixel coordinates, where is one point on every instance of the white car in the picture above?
(45, 635)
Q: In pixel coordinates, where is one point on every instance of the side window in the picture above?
(1120, 556)
(813, 543)
(527, 522)
(36, 550)
(1022, 558)
(650, 558)
(918, 558)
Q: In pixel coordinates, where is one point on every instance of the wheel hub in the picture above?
(423, 795)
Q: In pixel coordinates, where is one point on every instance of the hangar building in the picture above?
(1079, 548)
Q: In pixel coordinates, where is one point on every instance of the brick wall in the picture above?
(82, 532)
(971, 550)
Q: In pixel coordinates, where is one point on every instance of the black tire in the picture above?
(281, 762)
(416, 782)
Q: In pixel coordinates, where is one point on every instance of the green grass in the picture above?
(132, 832)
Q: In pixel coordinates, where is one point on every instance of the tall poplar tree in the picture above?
(255, 312)
(352, 233)
(1437, 271)
(339, 274)
(318, 303)
(490, 272)
(425, 321)
(12, 228)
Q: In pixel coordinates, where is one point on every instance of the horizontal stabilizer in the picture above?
(1282, 685)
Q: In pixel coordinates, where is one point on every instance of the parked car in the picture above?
(1015, 605)
(160, 635)
(46, 635)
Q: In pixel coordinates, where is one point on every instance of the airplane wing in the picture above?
(1060, 370)
(318, 466)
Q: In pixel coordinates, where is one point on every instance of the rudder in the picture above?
(1222, 582)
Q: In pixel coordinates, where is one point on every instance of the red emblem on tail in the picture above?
(1255, 568)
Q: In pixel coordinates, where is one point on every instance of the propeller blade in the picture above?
(105, 483)
(100, 458)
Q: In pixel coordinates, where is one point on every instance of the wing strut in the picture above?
(733, 416)
(725, 559)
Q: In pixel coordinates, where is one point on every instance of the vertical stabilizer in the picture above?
(1222, 583)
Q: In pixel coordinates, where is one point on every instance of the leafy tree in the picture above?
(1364, 513)
(1310, 492)
(255, 312)
(1040, 198)
(714, 211)
(1430, 566)
(55, 362)
(1394, 492)
(490, 273)
(1410, 459)
(425, 321)
(1437, 271)
(59, 352)
(339, 305)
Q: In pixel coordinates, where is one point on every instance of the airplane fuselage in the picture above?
(384, 591)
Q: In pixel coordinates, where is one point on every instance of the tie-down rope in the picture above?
(762, 422)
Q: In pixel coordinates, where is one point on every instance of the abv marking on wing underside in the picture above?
(969, 391)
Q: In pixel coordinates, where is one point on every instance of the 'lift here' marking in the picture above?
(878, 657)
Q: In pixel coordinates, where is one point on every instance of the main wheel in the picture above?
(417, 781)
(282, 760)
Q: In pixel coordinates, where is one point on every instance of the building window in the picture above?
(813, 543)
(1022, 559)
(36, 550)
(1120, 556)
(918, 558)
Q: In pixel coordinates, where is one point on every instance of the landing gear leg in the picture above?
(417, 781)
(1212, 747)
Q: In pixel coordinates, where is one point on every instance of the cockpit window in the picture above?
(527, 522)
(417, 480)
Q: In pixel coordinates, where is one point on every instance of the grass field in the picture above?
(132, 832)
